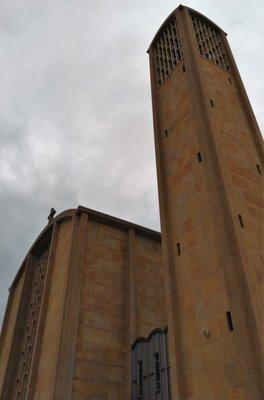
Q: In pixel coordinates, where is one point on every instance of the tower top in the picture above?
(191, 11)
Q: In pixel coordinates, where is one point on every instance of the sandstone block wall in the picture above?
(207, 149)
(104, 288)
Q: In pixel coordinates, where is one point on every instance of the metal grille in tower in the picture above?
(168, 51)
(209, 42)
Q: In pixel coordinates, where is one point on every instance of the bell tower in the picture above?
(209, 158)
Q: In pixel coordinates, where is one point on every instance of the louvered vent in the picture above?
(27, 339)
(168, 51)
(209, 42)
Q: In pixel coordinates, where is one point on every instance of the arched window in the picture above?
(150, 378)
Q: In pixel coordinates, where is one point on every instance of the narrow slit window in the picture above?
(241, 221)
(179, 248)
(140, 379)
(166, 133)
(199, 157)
(229, 321)
(230, 80)
(183, 68)
(212, 103)
(258, 169)
(157, 372)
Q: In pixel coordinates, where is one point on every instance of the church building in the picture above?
(104, 309)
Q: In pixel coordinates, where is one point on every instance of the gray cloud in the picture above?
(75, 108)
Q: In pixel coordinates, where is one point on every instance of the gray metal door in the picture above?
(150, 378)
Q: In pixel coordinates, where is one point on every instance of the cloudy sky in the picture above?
(75, 109)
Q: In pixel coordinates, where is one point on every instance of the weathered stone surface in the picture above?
(208, 182)
(108, 282)
(87, 326)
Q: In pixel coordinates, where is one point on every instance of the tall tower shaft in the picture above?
(209, 163)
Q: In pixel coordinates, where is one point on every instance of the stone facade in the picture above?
(103, 289)
(209, 162)
(94, 289)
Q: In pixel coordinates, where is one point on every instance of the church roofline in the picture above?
(120, 223)
(181, 7)
(93, 216)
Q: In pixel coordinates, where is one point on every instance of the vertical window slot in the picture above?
(157, 372)
(183, 68)
(230, 80)
(241, 221)
(199, 157)
(229, 321)
(212, 103)
(179, 248)
(166, 133)
(140, 379)
(258, 169)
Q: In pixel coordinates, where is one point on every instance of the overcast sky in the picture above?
(75, 108)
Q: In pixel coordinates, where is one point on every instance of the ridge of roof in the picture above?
(93, 215)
